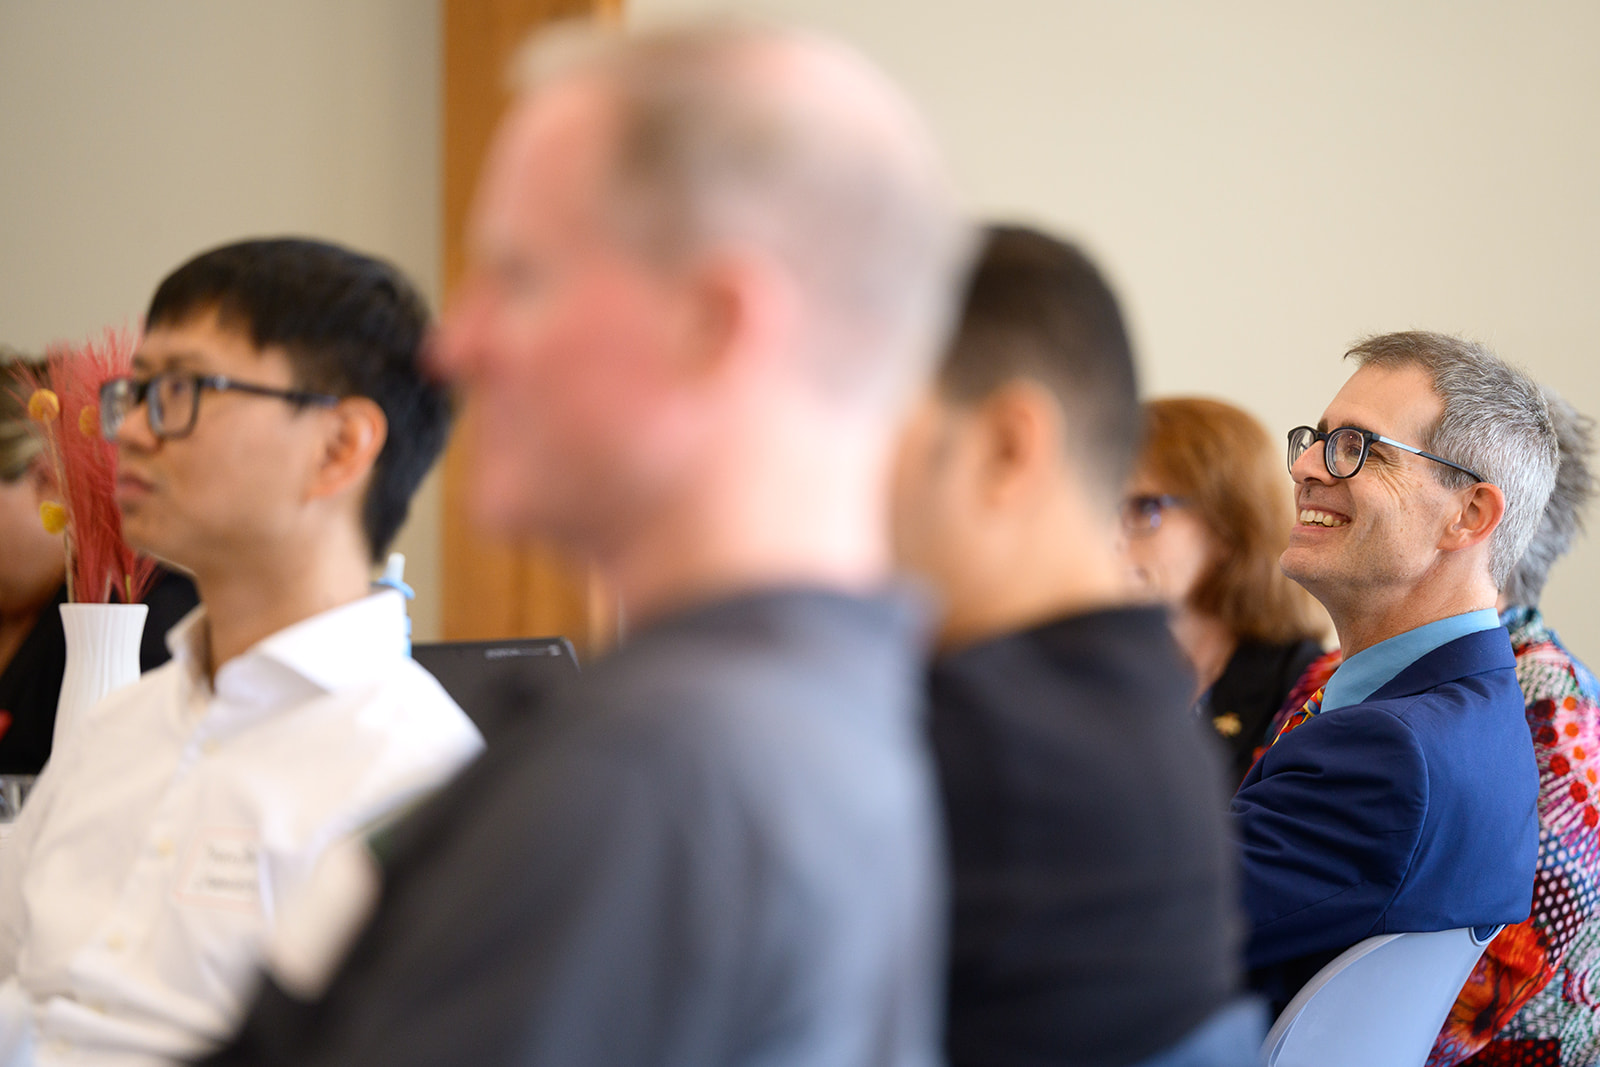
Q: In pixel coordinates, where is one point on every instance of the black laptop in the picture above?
(492, 680)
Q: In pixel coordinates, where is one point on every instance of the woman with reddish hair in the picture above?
(1207, 513)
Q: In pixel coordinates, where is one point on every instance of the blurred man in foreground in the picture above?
(1402, 796)
(1095, 908)
(710, 266)
(269, 440)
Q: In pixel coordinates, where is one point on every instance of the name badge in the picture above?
(222, 871)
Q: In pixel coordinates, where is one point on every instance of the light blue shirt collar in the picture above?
(1372, 668)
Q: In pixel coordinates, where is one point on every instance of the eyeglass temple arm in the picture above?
(222, 382)
(1429, 455)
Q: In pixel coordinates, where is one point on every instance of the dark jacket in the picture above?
(1095, 915)
(1412, 810)
(718, 846)
(1241, 703)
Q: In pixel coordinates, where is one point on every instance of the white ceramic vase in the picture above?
(102, 655)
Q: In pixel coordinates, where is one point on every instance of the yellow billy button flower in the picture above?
(43, 406)
(53, 516)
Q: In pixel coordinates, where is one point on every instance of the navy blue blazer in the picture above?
(1415, 809)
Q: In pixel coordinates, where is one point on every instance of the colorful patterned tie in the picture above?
(1313, 706)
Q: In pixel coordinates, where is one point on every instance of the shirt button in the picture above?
(209, 747)
(115, 943)
(164, 847)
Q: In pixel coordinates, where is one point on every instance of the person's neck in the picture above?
(1503, 604)
(250, 598)
(15, 626)
(1074, 568)
(1207, 643)
(1367, 618)
(17, 620)
(792, 517)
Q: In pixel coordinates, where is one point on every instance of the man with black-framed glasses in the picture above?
(172, 400)
(1402, 796)
(269, 439)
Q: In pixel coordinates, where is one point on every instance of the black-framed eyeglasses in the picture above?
(1345, 449)
(173, 400)
(1141, 514)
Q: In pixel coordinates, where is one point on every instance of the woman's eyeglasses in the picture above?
(1141, 514)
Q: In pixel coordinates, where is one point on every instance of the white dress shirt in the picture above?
(149, 866)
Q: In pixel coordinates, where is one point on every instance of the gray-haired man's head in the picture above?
(749, 207)
(1495, 422)
(745, 135)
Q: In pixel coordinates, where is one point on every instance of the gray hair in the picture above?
(1563, 515)
(1495, 421)
(728, 137)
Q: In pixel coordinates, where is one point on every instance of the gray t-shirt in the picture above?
(718, 846)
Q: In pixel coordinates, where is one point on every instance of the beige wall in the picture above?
(133, 135)
(1266, 182)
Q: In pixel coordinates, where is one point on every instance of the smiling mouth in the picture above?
(1313, 517)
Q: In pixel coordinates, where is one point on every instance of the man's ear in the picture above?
(739, 306)
(1021, 432)
(351, 447)
(1482, 508)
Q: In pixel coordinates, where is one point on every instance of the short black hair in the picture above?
(1037, 308)
(350, 324)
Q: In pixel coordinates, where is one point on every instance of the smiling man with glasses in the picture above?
(1402, 796)
(269, 439)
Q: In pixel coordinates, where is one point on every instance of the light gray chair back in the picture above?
(1381, 1003)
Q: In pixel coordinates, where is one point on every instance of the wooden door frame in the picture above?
(493, 590)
